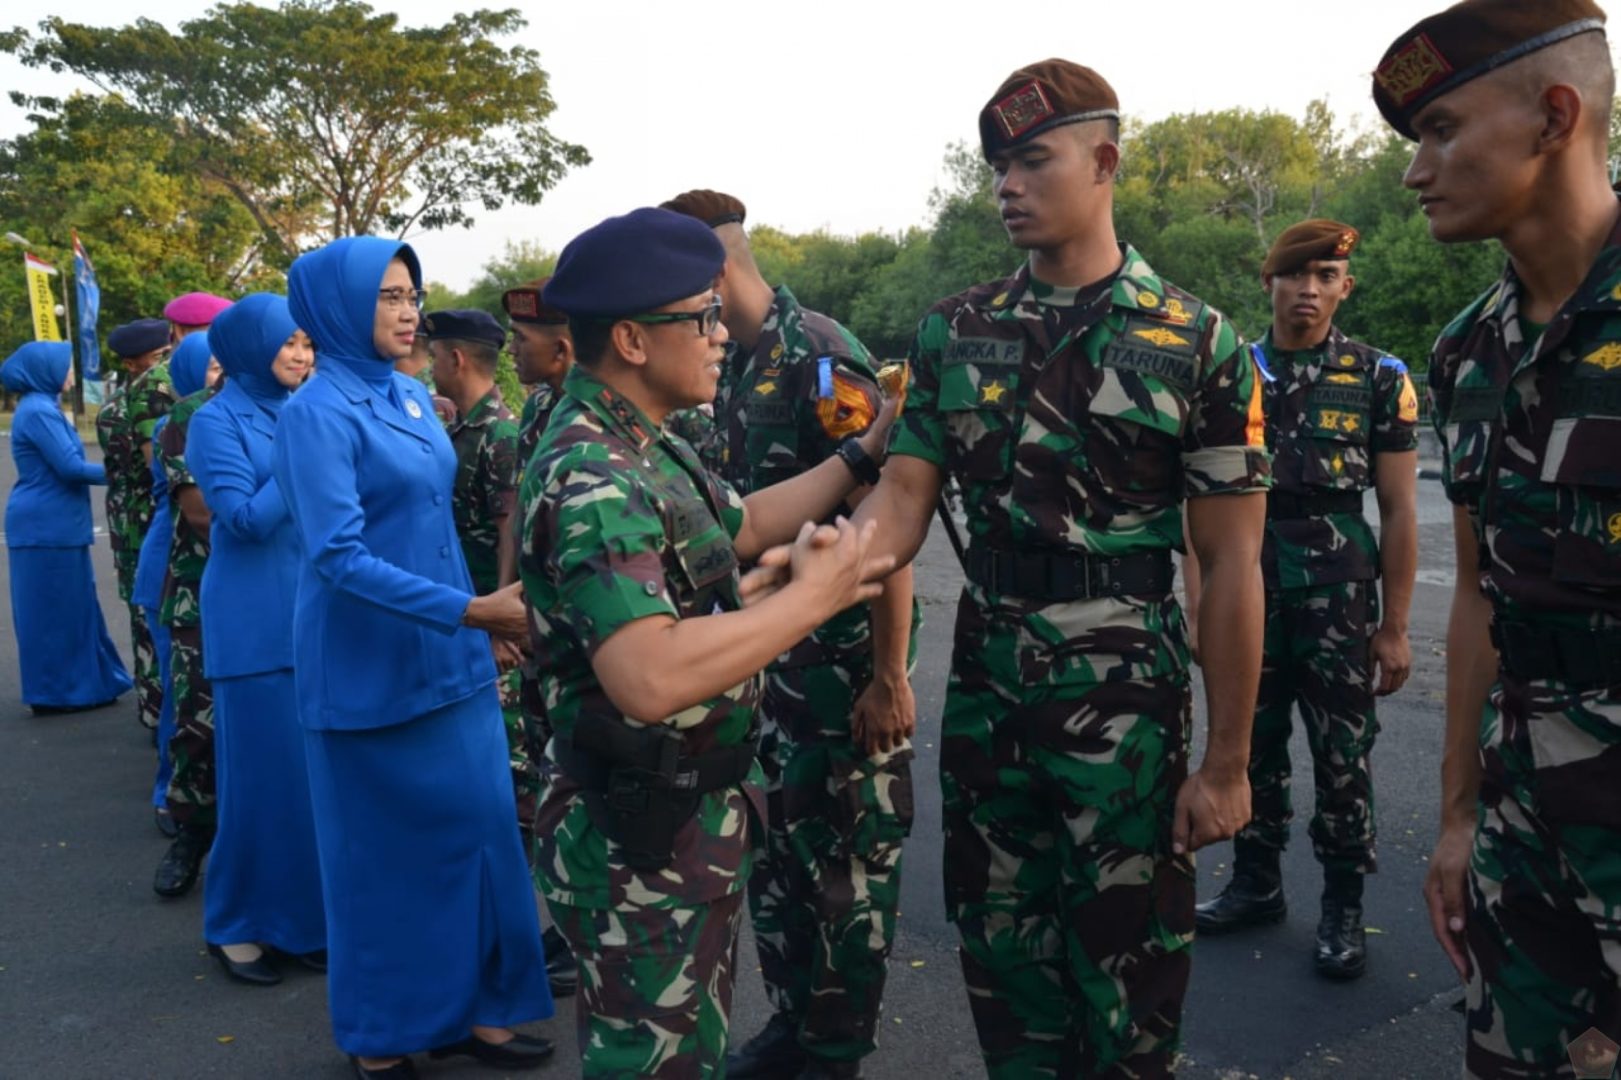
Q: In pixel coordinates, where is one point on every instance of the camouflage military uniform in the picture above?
(537, 412)
(1330, 413)
(1076, 422)
(655, 947)
(191, 786)
(487, 474)
(823, 901)
(1531, 432)
(129, 512)
(146, 400)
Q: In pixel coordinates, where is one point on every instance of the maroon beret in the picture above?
(1299, 244)
(713, 208)
(524, 305)
(1042, 96)
(1466, 41)
(194, 309)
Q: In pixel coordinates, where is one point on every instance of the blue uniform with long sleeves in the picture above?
(431, 920)
(66, 658)
(264, 882)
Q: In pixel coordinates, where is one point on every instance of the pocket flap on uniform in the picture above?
(1584, 452)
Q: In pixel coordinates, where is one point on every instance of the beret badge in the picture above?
(1022, 110)
(1412, 69)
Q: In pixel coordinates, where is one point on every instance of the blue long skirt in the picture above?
(264, 880)
(65, 656)
(161, 642)
(432, 925)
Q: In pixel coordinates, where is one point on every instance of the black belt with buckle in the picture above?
(1284, 505)
(1041, 575)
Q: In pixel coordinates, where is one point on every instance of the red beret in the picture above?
(524, 305)
(713, 208)
(194, 309)
(1466, 41)
(1042, 96)
(1299, 244)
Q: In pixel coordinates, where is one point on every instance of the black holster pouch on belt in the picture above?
(640, 788)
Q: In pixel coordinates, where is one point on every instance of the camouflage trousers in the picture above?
(148, 679)
(520, 752)
(191, 786)
(1316, 656)
(1544, 920)
(1074, 915)
(655, 995)
(823, 898)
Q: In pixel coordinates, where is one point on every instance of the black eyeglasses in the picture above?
(707, 319)
(396, 297)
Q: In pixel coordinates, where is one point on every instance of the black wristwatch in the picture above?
(855, 455)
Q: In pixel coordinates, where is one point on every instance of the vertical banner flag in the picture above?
(88, 295)
(41, 299)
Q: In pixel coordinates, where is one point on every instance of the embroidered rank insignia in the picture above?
(765, 389)
(1614, 526)
(1162, 336)
(1346, 361)
(1176, 313)
(992, 393)
(1413, 69)
(1407, 408)
(1343, 378)
(1001, 298)
(1022, 110)
(848, 410)
(1615, 293)
(776, 351)
(770, 373)
(1147, 300)
(1339, 464)
(1606, 357)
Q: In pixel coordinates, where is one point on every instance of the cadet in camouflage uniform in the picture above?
(1079, 403)
(542, 353)
(141, 346)
(833, 738)
(191, 785)
(1510, 108)
(465, 346)
(631, 572)
(1341, 418)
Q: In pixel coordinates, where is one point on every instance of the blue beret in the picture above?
(463, 324)
(633, 264)
(139, 337)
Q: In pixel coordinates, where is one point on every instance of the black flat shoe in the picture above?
(400, 1070)
(258, 972)
(165, 822)
(519, 1052)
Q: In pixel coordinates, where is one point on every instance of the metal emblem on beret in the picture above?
(1346, 242)
(413, 408)
(1023, 109)
(523, 305)
(1605, 357)
(1413, 69)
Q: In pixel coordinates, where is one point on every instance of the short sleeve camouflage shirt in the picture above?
(486, 444)
(620, 523)
(537, 410)
(1531, 439)
(1330, 413)
(188, 554)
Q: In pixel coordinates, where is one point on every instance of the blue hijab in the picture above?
(39, 367)
(188, 365)
(332, 292)
(246, 337)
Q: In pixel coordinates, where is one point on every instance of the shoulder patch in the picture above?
(1392, 362)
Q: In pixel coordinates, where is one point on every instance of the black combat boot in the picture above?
(1254, 897)
(821, 1069)
(562, 970)
(177, 872)
(1342, 944)
(771, 1055)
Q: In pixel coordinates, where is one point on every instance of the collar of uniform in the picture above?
(483, 410)
(617, 412)
(1600, 289)
(1335, 344)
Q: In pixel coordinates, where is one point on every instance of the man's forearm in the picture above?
(506, 551)
(1471, 670)
(776, 513)
(1231, 617)
(1398, 565)
(892, 625)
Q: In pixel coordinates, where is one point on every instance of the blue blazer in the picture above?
(252, 571)
(50, 503)
(377, 634)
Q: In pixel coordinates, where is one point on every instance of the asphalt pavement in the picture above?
(101, 978)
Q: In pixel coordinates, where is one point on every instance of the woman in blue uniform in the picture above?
(67, 661)
(432, 931)
(188, 369)
(264, 882)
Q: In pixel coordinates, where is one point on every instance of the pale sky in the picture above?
(836, 115)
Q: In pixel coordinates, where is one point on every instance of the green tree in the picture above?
(323, 118)
(152, 231)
